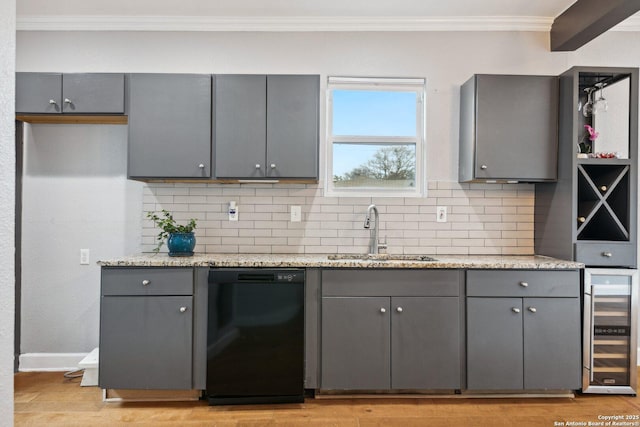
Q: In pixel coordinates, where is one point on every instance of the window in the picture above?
(375, 136)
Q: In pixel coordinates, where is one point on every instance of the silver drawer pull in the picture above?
(383, 310)
(257, 165)
(145, 282)
(67, 101)
(52, 102)
(483, 167)
(532, 309)
(183, 309)
(607, 254)
(515, 310)
(201, 165)
(524, 284)
(399, 309)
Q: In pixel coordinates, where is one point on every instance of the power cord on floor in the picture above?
(74, 374)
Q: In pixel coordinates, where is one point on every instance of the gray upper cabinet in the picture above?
(170, 126)
(508, 128)
(81, 93)
(266, 126)
(240, 126)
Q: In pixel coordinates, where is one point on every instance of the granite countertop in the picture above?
(343, 261)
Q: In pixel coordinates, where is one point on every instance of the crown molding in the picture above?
(280, 23)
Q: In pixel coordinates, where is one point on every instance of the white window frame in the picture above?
(417, 85)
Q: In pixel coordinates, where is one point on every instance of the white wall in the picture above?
(445, 59)
(75, 195)
(7, 203)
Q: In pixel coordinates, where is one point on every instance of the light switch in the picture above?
(441, 214)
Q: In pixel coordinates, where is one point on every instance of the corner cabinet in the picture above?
(590, 214)
(523, 330)
(508, 128)
(169, 126)
(266, 126)
(72, 93)
(390, 329)
(146, 328)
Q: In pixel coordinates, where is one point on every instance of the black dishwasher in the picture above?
(255, 336)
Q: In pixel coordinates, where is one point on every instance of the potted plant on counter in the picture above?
(180, 238)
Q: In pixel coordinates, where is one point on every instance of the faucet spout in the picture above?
(373, 230)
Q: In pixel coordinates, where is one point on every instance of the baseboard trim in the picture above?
(49, 362)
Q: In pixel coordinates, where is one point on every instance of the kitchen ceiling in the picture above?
(294, 15)
(329, 8)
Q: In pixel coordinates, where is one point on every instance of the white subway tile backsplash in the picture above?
(483, 218)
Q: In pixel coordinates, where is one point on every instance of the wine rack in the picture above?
(603, 202)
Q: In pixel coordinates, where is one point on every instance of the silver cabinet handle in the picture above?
(399, 309)
(145, 282)
(273, 165)
(532, 309)
(483, 167)
(257, 165)
(524, 284)
(607, 254)
(183, 309)
(201, 165)
(515, 310)
(52, 101)
(383, 310)
(67, 101)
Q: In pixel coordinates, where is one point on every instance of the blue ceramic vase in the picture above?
(181, 244)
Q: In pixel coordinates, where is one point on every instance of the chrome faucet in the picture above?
(374, 244)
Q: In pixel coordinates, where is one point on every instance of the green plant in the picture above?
(168, 226)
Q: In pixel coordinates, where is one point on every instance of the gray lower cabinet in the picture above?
(169, 126)
(523, 330)
(508, 128)
(146, 329)
(407, 339)
(70, 93)
(266, 126)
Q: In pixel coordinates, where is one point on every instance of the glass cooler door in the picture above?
(610, 334)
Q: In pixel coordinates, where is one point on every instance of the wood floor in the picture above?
(48, 399)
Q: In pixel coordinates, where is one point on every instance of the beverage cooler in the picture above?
(610, 331)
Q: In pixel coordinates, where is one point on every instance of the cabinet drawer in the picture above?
(147, 281)
(523, 283)
(396, 282)
(597, 254)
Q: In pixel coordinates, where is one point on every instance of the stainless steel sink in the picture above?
(381, 257)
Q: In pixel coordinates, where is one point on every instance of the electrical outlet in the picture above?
(296, 214)
(441, 214)
(84, 256)
(233, 211)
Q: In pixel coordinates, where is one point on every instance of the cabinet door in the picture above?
(169, 126)
(494, 344)
(292, 126)
(38, 93)
(240, 126)
(93, 93)
(552, 357)
(508, 128)
(145, 342)
(355, 343)
(425, 343)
